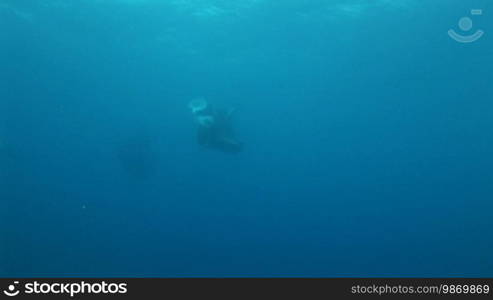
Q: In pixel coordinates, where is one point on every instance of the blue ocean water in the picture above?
(367, 131)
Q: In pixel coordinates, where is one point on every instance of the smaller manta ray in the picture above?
(214, 127)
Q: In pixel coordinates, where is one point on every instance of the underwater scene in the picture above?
(247, 138)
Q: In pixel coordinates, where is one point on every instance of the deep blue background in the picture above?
(368, 137)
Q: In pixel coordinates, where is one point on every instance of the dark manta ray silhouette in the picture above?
(214, 127)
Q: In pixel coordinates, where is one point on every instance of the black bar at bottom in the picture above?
(232, 288)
